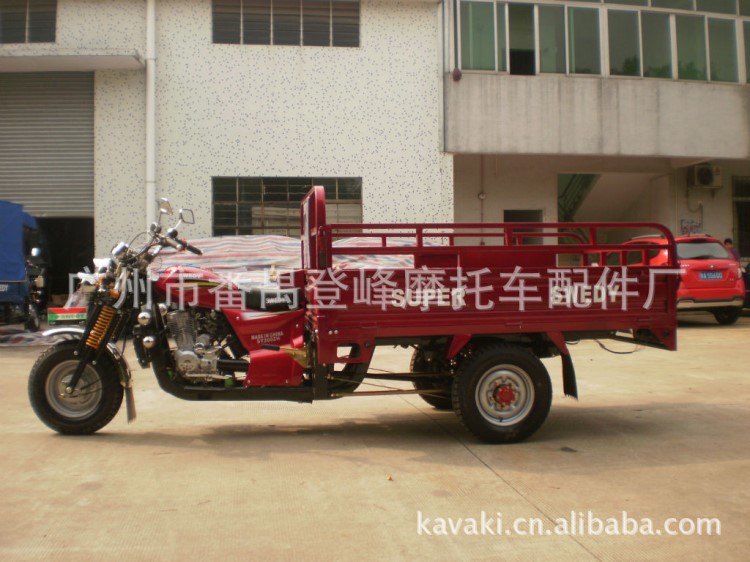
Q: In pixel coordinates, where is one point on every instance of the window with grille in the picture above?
(28, 21)
(695, 40)
(317, 23)
(268, 205)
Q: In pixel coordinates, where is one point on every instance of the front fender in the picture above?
(123, 369)
(75, 331)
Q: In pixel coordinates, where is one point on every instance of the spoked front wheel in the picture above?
(91, 406)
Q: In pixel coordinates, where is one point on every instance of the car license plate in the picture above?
(710, 275)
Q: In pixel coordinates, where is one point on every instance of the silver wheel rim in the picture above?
(84, 400)
(504, 395)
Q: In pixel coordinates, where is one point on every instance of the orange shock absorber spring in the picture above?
(106, 314)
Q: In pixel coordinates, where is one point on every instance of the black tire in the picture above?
(441, 399)
(348, 379)
(728, 316)
(502, 393)
(90, 408)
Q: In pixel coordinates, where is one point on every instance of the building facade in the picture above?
(602, 111)
(407, 110)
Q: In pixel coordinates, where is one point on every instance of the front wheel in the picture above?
(728, 316)
(90, 407)
(502, 393)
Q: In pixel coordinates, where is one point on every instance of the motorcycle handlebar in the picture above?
(191, 248)
(179, 245)
(172, 243)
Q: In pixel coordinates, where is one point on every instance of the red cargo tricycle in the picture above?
(479, 304)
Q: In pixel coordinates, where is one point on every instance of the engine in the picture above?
(198, 335)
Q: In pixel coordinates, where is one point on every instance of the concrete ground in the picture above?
(655, 435)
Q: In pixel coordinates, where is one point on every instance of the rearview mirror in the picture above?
(164, 207)
(186, 216)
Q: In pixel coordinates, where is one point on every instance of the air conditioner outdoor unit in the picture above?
(706, 176)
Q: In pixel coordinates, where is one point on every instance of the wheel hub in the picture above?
(72, 395)
(80, 403)
(505, 395)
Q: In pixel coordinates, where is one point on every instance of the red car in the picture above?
(711, 278)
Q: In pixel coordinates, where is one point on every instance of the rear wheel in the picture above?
(90, 407)
(502, 393)
(440, 398)
(727, 316)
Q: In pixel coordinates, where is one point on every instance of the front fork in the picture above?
(105, 322)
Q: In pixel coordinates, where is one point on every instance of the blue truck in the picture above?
(21, 269)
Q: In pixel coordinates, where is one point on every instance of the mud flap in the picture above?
(126, 380)
(130, 402)
(570, 387)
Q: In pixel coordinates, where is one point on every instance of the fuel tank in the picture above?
(187, 286)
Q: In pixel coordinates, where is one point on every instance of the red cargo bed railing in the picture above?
(507, 278)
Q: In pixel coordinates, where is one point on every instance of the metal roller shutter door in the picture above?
(47, 142)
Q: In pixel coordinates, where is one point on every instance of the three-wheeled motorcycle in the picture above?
(478, 317)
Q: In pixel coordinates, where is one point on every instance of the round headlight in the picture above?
(120, 249)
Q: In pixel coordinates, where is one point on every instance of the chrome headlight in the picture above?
(119, 250)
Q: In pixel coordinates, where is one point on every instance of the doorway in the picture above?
(526, 215)
(69, 248)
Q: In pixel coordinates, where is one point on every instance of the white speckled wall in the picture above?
(236, 110)
(102, 24)
(119, 157)
(86, 27)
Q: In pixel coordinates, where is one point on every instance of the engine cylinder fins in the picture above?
(182, 327)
